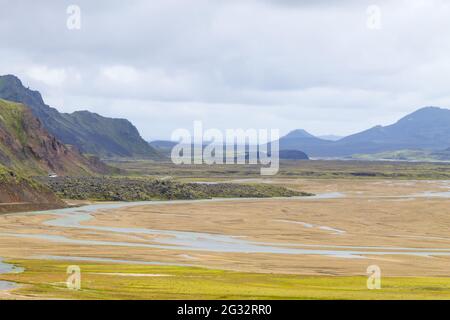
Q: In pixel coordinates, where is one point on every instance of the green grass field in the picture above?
(46, 279)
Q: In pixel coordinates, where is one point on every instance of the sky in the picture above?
(329, 67)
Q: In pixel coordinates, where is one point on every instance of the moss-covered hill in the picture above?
(89, 132)
(18, 193)
(28, 148)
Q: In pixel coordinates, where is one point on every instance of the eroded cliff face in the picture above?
(26, 146)
(18, 193)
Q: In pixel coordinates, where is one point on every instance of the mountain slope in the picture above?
(163, 147)
(299, 134)
(26, 146)
(293, 155)
(303, 141)
(427, 128)
(18, 193)
(89, 132)
(331, 137)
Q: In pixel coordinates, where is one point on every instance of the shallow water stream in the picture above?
(8, 268)
(199, 241)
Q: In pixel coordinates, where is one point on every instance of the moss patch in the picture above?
(46, 279)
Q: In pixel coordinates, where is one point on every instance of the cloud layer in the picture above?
(250, 64)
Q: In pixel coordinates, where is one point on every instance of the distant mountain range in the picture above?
(87, 131)
(427, 128)
(331, 137)
(164, 147)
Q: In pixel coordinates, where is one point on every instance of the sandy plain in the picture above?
(378, 215)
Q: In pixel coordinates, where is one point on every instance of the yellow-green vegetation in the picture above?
(407, 155)
(12, 118)
(46, 279)
(10, 176)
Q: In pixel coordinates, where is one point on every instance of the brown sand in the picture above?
(370, 215)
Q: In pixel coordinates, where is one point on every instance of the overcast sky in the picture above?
(280, 64)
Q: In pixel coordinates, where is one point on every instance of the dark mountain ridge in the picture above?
(27, 147)
(89, 132)
(427, 128)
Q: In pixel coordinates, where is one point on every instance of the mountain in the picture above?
(18, 193)
(293, 155)
(27, 147)
(427, 128)
(89, 132)
(303, 141)
(299, 134)
(330, 137)
(162, 144)
(163, 147)
(443, 155)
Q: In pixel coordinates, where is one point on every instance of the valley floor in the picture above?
(45, 280)
(281, 248)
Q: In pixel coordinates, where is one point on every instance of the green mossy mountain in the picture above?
(89, 132)
(18, 193)
(25, 146)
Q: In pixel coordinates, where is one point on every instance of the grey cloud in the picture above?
(287, 64)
